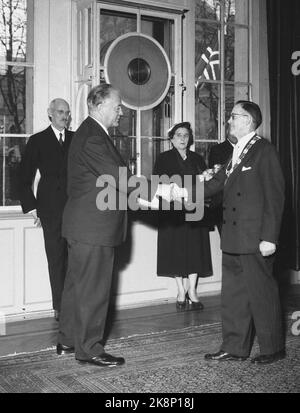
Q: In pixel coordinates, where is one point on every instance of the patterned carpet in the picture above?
(164, 362)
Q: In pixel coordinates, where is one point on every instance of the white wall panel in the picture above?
(138, 282)
(36, 279)
(7, 272)
(24, 282)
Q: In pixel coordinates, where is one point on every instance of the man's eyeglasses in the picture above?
(235, 115)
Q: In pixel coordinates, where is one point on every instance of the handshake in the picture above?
(171, 192)
(168, 192)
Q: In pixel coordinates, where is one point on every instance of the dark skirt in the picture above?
(183, 247)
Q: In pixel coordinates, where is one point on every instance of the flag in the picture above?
(208, 67)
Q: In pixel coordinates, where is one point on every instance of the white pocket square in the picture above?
(246, 168)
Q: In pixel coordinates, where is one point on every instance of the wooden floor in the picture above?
(39, 334)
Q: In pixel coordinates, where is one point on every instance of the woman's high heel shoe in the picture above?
(194, 304)
(181, 304)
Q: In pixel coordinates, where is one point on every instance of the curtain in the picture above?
(283, 26)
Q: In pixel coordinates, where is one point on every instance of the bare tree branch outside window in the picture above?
(14, 70)
(13, 22)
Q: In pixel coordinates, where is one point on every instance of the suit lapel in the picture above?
(51, 134)
(116, 154)
(53, 140)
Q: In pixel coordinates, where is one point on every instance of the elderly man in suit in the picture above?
(47, 152)
(92, 232)
(253, 201)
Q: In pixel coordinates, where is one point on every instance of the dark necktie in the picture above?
(61, 139)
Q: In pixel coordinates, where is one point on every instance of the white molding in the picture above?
(172, 4)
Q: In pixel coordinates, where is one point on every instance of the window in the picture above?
(141, 135)
(16, 81)
(222, 66)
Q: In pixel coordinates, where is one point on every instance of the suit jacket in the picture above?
(220, 154)
(253, 200)
(44, 152)
(91, 155)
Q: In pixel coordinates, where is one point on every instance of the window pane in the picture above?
(13, 30)
(207, 112)
(124, 135)
(203, 149)
(161, 30)
(151, 148)
(126, 146)
(12, 105)
(112, 25)
(154, 138)
(236, 11)
(236, 54)
(15, 91)
(10, 157)
(234, 93)
(208, 9)
(207, 48)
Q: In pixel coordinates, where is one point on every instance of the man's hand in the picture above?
(164, 191)
(154, 204)
(171, 192)
(267, 248)
(37, 221)
(177, 193)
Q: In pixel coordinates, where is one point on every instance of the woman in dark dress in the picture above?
(183, 248)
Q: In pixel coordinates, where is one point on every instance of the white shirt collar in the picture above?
(57, 132)
(239, 147)
(241, 143)
(101, 124)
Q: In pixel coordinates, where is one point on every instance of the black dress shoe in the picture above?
(62, 349)
(181, 304)
(196, 305)
(223, 356)
(56, 315)
(269, 358)
(104, 360)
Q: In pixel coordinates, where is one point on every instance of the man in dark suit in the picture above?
(218, 155)
(253, 202)
(92, 232)
(47, 152)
